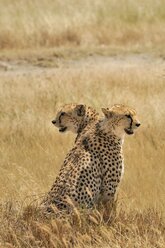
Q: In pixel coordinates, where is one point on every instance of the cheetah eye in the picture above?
(128, 116)
(62, 113)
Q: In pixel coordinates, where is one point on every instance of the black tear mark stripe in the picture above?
(60, 118)
(131, 121)
(62, 114)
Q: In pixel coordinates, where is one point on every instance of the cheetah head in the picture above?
(69, 117)
(122, 119)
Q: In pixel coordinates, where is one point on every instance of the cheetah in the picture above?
(74, 117)
(92, 171)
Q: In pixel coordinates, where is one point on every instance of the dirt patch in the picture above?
(49, 65)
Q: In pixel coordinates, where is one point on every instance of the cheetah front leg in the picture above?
(108, 201)
(109, 209)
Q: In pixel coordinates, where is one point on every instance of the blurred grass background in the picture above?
(48, 23)
(50, 54)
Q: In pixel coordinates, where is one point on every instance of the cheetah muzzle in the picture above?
(62, 129)
(128, 131)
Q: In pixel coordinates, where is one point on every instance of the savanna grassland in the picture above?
(47, 23)
(93, 52)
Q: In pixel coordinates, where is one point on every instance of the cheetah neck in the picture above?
(109, 131)
(90, 117)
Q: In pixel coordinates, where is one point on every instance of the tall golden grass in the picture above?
(32, 151)
(48, 23)
(35, 81)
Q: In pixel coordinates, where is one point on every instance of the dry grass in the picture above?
(81, 229)
(49, 23)
(32, 152)
(72, 35)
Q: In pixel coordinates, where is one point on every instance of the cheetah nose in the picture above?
(54, 122)
(138, 124)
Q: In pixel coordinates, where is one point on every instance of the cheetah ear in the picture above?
(80, 109)
(108, 113)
